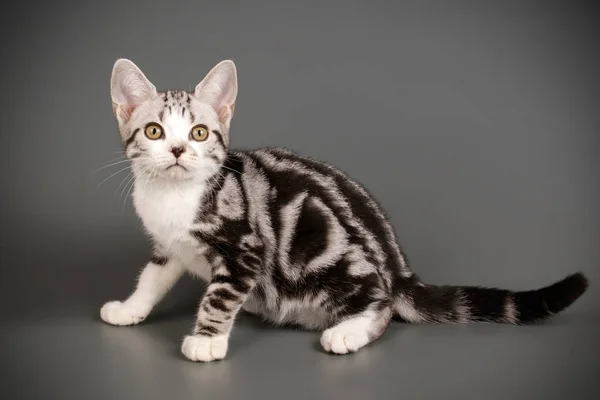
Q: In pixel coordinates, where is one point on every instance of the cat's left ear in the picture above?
(129, 88)
(219, 89)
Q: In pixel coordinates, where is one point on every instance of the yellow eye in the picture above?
(154, 131)
(199, 133)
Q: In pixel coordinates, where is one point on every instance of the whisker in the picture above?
(119, 171)
(219, 183)
(110, 165)
(210, 194)
(230, 169)
(117, 161)
(121, 156)
(127, 195)
(151, 172)
(129, 184)
(131, 187)
(219, 247)
(131, 180)
(125, 179)
(154, 168)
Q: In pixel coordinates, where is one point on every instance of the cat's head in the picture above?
(174, 134)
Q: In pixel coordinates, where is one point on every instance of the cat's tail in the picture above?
(418, 302)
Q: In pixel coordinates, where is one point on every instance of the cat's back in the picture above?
(320, 202)
(291, 173)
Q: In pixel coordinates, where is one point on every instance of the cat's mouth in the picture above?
(176, 165)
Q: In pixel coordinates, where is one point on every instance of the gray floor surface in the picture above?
(55, 346)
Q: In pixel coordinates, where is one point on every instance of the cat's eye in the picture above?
(199, 133)
(154, 131)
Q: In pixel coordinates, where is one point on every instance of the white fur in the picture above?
(205, 348)
(168, 209)
(123, 314)
(350, 335)
(158, 160)
(165, 197)
(154, 282)
(137, 103)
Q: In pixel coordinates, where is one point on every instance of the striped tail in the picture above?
(460, 304)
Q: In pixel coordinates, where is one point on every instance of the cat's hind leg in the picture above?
(358, 330)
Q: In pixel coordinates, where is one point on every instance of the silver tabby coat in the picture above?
(280, 235)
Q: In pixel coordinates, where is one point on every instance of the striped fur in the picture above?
(283, 236)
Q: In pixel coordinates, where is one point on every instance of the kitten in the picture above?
(280, 235)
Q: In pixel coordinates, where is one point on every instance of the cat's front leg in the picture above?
(225, 294)
(155, 280)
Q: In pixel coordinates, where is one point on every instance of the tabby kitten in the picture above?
(282, 236)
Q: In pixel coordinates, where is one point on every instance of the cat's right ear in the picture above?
(129, 88)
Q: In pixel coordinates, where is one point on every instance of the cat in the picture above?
(280, 235)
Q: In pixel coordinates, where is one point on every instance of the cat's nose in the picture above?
(177, 151)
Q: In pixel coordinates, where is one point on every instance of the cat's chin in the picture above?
(177, 173)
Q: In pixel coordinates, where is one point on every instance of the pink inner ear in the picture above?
(123, 113)
(225, 113)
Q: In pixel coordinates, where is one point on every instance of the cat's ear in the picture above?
(219, 89)
(129, 88)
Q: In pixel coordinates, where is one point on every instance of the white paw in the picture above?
(118, 313)
(204, 348)
(341, 340)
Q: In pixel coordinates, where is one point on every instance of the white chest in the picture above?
(168, 211)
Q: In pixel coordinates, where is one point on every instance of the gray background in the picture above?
(476, 125)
